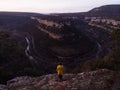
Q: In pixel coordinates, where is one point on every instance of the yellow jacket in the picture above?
(60, 69)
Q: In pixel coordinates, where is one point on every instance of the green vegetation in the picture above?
(111, 60)
(9, 47)
(12, 57)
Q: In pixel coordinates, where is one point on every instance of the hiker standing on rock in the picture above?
(60, 70)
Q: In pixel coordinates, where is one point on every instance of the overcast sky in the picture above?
(53, 6)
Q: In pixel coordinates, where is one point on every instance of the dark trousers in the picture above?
(60, 77)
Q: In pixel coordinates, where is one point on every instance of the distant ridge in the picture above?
(19, 13)
(107, 10)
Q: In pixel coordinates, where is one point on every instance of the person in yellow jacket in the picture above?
(60, 70)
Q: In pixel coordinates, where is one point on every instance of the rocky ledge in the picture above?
(95, 80)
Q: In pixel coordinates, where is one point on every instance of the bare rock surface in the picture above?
(95, 80)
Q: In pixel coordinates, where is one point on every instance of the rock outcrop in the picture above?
(95, 80)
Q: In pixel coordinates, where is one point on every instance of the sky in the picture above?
(53, 6)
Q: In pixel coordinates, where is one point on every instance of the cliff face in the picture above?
(96, 80)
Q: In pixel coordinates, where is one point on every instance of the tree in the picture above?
(9, 47)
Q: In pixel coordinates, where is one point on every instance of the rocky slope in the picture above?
(95, 80)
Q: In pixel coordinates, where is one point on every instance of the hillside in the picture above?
(106, 11)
